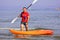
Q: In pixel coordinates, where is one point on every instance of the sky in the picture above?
(18, 4)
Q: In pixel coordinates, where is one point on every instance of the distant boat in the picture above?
(58, 9)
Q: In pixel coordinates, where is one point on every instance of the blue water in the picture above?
(49, 19)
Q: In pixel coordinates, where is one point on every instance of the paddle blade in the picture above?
(14, 20)
(34, 1)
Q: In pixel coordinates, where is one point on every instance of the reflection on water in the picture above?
(42, 37)
(28, 38)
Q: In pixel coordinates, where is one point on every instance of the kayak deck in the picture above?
(32, 32)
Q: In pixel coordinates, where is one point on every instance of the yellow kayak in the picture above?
(32, 32)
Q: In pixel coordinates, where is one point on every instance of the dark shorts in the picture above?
(24, 23)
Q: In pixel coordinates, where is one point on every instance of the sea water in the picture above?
(46, 19)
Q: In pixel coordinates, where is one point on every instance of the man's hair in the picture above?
(24, 7)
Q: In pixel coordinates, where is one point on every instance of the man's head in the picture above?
(24, 9)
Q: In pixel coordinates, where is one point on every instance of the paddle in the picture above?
(27, 8)
(32, 3)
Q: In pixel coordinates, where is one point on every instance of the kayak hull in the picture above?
(32, 32)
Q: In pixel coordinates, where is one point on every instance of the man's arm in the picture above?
(28, 18)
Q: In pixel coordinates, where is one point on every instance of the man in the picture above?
(25, 18)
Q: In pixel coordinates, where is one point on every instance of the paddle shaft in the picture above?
(29, 6)
(32, 3)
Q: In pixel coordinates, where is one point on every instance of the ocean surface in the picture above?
(45, 19)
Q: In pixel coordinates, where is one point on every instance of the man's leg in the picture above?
(26, 26)
(22, 27)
